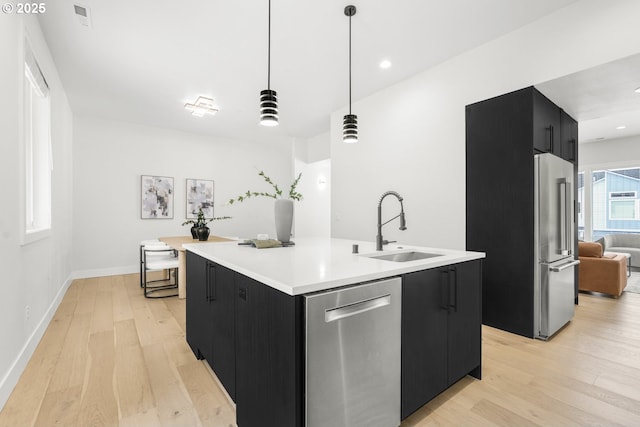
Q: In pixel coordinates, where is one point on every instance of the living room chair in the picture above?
(598, 272)
(159, 257)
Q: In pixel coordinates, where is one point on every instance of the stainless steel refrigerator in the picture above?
(554, 264)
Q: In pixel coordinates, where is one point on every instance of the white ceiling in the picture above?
(601, 99)
(142, 60)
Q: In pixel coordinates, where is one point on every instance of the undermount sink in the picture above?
(404, 256)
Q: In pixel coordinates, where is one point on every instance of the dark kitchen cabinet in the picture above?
(270, 356)
(568, 138)
(464, 321)
(424, 339)
(502, 136)
(441, 331)
(554, 131)
(211, 317)
(546, 124)
(197, 307)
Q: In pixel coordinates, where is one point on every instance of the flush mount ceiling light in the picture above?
(268, 97)
(350, 121)
(637, 90)
(385, 63)
(621, 127)
(202, 106)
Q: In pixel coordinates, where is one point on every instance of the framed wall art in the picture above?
(157, 197)
(199, 196)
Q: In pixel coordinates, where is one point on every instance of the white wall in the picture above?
(613, 153)
(110, 157)
(35, 275)
(312, 217)
(318, 148)
(313, 212)
(412, 135)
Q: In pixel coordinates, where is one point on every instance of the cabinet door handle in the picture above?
(550, 145)
(207, 268)
(453, 289)
(444, 289)
(211, 283)
(454, 286)
(573, 149)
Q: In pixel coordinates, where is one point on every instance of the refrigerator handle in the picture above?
(564, 266)
(569, 216)
(564, 225)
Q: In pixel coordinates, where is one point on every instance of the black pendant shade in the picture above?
(268, 108)
(350, 128)
(350, 121)
(268, 97)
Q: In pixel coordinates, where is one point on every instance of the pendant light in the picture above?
(268, 97)
(350, 122)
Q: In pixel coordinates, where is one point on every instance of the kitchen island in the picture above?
(246, 317)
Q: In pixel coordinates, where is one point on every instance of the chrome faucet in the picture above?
(403, 224)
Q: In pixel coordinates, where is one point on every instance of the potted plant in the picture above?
(283, 208)
(199, 229)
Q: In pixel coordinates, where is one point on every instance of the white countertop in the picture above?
(316, 264)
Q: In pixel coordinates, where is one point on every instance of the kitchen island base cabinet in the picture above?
(211, 317)
(270, 356)
(252, 336)
(441, 331)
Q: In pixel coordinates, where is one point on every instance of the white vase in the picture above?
(284, 219)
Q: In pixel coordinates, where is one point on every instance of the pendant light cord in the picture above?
(349, 64)
(269, 51)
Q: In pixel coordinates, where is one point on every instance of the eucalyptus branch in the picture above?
(275, 186)
(201, 220)
(293, 194)
(277, 194)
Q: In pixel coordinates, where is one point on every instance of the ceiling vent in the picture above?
(83, 14)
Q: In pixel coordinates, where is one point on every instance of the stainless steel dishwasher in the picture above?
(353, 356)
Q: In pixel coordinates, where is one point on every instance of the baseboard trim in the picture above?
(101, 272)
(9, 381)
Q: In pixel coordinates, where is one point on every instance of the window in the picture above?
(37, 150)
(623, 209)
(622, 194)
(580, 206)
(615, 203)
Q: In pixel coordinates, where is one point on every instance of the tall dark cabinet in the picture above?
(502, 136)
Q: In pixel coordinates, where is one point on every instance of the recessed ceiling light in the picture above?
(637, 90)
(621, 127)
(202, 106)
(385, 64)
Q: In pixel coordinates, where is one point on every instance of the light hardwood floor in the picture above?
(111, 357)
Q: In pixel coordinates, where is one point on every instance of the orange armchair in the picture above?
(601, 273)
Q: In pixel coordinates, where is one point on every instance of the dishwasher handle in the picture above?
(356, 308)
